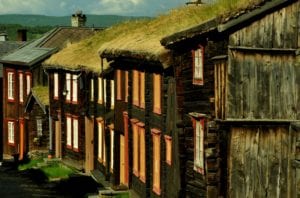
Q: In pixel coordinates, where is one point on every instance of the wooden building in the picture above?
(5, 48)
(255, 102)
(36, 112)
(21, 71)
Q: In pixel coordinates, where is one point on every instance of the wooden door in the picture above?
(89, 144)
(122, 160)
(57, 140)
(22, 139)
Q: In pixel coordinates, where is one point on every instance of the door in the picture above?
(89, 144)
(22, 139)
(57, 139)
(122, 160)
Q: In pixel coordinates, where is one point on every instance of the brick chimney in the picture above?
(22, 35)
(3, 36)
(78, 19)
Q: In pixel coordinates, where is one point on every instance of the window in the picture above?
(100, 91)
(74, 89)
(104, 91)
(92, 89)
(112, 134)
(10, 86)
(142, 151)
(126, 86)
(68, 87)
(198, 63)
(55, 85)
(119, 84)
(139, 149)
(39, 126)
(135, 87)
(69, 131)
(21, 88)
(199, 145)
(28, 83)
(112, 94)
(11, 132)
(135, 131)
(142, 89)
(75, 133)
(157, 93)
(101, 142)
(168, 141)
(156, 161)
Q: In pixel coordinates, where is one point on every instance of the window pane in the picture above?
(157, 93)
(156, 163)
(68, 87)
(100, 143)
(92, 89)
(39, 126)
(142, 154)
(104, 91)
(74, 88)
(112, 94)
(11, 84)
(119, 85)
(135, 88)
(112, 149)
(100, 91)
(126, 86)
(55, 85)
(21, 87)
(135, 149)
(75, 133)
(28, 84)
(11, 134)
(69, 132)
(142, 89)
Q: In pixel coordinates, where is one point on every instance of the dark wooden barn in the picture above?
(255, 101)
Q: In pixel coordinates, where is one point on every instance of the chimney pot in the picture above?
(78, 19)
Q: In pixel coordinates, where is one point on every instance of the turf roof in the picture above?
(141, 39)
(41, 93)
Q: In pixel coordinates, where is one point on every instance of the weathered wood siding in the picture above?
(259, 161)
(264, 72)
(263, 86)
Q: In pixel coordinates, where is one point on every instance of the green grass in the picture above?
(116, 195)
(57, 171)
(32, 163)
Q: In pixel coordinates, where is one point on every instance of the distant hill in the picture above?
(41, 20)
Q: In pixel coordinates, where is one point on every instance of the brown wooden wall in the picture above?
(263, 71)
(259, 162)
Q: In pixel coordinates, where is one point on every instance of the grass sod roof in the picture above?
(144, 41)
(141, 38)
(41, 93)
(84, 54)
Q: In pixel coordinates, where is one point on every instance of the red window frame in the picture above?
(199, 81)
(199, 168)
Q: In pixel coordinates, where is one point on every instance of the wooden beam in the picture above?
(258, 49)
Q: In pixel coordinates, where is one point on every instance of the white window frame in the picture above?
(11, 132)
(55, 85)
(112, 133)
(92, 90)
(69, 131)
(199, 146)
(39, 127)
(198, 67)
(112, 94)
(21, 87)
(75, 133)
(28, 83)
(100, 91)
(75, 88)
(10, 85)
(68, 86)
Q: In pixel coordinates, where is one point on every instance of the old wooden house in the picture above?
(255, 101)
(37, 111)
(21, 71)
(6, 47)
(82, 98)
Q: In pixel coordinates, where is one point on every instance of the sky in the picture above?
(67, 7)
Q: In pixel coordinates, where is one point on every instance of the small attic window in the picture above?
(198, 65)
